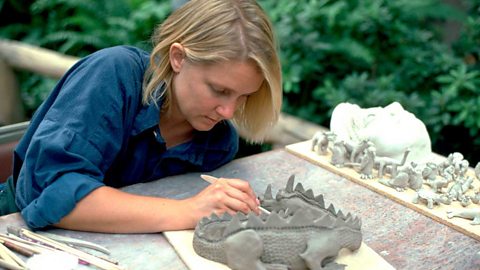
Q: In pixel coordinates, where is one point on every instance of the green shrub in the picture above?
(78, 28)
(374, 52)
(369, 52)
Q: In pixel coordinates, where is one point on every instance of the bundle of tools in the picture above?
(28, 243)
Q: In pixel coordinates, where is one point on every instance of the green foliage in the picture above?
(369, 52)
(80, 27)
(374, 52)
(453, 110)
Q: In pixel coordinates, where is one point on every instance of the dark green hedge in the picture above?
(368, 52)
(374, 52)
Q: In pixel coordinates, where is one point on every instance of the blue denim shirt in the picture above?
(93, 130)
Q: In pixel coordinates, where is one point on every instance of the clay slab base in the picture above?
(362, 259)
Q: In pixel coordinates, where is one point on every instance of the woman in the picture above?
(121, 116)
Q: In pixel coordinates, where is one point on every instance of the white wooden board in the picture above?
(362, 259)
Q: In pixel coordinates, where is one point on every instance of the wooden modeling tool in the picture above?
(212, 179)
(100, 263)
(10, 257)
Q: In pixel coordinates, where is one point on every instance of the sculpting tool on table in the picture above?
(212, 179)
(9, 257)
(76, 242)
(86, 257)
(10, 266)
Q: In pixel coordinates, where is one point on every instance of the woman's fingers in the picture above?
(236, 195)
(243, 186)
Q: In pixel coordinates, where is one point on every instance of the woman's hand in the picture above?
(224, 195)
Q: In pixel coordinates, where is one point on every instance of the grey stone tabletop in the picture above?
(403, 237)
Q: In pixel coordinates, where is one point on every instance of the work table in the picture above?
(404, 238)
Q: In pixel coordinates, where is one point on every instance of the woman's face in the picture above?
(206, 94)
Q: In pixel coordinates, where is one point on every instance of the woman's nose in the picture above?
(227, 109)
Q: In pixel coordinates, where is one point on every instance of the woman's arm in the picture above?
(113, 211)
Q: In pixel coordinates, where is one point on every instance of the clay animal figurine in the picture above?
(430, 198)
(399, 182)
(448, 173)
(461, 168)
(476, 197)
(437, 184)
(339, 154)
(300, 240)
(384, 163)
(459, 188)
(415, 180)
(367, 163)
(321, 140)
(357, 150)
(467, 213)
(430, 171)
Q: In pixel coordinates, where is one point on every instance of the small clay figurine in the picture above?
(415, 180)
(430, 171)
(465, 200)
(430, 198)
(367, 163)
(384, 163)
(399, 182)
(476, 197)
(321, 140)
(469, 213)
(339, 154)
(358, 150)
(437, 184)
(459, 188)
(461, 168)
(448, 173)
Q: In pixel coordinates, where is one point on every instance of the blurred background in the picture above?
(421, 53)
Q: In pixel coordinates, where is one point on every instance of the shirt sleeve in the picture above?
(78, 137)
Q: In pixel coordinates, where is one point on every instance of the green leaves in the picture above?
(369, 52)
(459, 96)
(374, 52)
(80, 27)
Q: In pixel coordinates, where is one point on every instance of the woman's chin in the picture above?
(204, 126)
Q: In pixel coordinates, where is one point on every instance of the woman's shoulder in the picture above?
(120, 54)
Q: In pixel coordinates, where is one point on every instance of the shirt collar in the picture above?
(147, 117)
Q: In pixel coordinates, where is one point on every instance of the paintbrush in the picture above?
(212, 179)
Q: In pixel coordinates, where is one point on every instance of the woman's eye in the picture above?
(220, 91)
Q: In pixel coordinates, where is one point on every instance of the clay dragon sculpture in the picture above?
(299, 233)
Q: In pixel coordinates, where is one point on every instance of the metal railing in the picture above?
(13, 132)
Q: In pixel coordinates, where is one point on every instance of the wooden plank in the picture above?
(35, 59)
(438, 213)
(362, 259)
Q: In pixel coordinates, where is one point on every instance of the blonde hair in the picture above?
(213, 31)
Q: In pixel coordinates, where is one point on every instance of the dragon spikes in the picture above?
(291, 180)
(268, 193)
(300, 219)
(322, 216)
(298, 191)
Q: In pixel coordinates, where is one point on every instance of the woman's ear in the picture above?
(177, 56)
